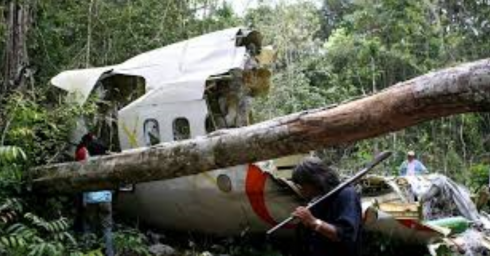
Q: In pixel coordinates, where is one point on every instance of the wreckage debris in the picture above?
(432, 203)
(455, 224)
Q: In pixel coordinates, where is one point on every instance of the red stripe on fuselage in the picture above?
(414, 224)
(254, 187)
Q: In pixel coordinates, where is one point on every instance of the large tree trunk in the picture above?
(461, 89)
(16, 60)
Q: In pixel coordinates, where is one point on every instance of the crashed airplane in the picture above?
(187, 90)
(191, 88)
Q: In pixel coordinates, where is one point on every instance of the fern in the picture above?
(9, 154)
(53, 227)
(11, 160)
(24, 229)
(25, 233)
(9, 210)
(131, 242)
(97, 252)
(11, 204)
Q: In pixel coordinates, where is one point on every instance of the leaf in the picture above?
(15, 228)
(13, 242)
(70, 238)
(5, 241)
(11, 154)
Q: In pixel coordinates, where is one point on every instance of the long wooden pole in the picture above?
(461, 89)
(378, 159)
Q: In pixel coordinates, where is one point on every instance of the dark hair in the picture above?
(84, 141)
(93, 145)
(313, 171)
(87, 138)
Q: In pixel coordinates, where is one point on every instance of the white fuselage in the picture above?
(225, 202)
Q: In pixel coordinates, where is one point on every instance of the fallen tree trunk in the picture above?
(465, 88)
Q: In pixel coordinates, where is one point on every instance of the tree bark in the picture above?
(16, 58)
(465, 88)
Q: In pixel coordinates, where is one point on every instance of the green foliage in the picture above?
(11, 154)
(479, 175)
(251, 251)
(365, 46)
(41, 130)
(292, 34)
(32, 235)
(23, 232)
(130, 242)
(11, 165)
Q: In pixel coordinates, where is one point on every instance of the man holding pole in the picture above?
(333, 227)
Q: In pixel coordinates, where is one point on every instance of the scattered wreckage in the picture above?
(426, 209)
(160, 110)
(430, 209)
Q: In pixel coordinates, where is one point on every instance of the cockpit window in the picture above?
(152, 132)
(181, 129)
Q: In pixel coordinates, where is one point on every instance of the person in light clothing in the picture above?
(412, 166)
(97, 204)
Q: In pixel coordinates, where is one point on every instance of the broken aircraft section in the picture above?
(192, 88)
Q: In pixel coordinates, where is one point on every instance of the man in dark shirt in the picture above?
(333, 227)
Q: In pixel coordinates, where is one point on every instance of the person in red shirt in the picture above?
(89, 146)
(81, 152)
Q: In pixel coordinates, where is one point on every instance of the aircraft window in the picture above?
(181, 129)
(152, 132)
(224, 183)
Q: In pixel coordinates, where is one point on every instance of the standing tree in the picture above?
(18, 19)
